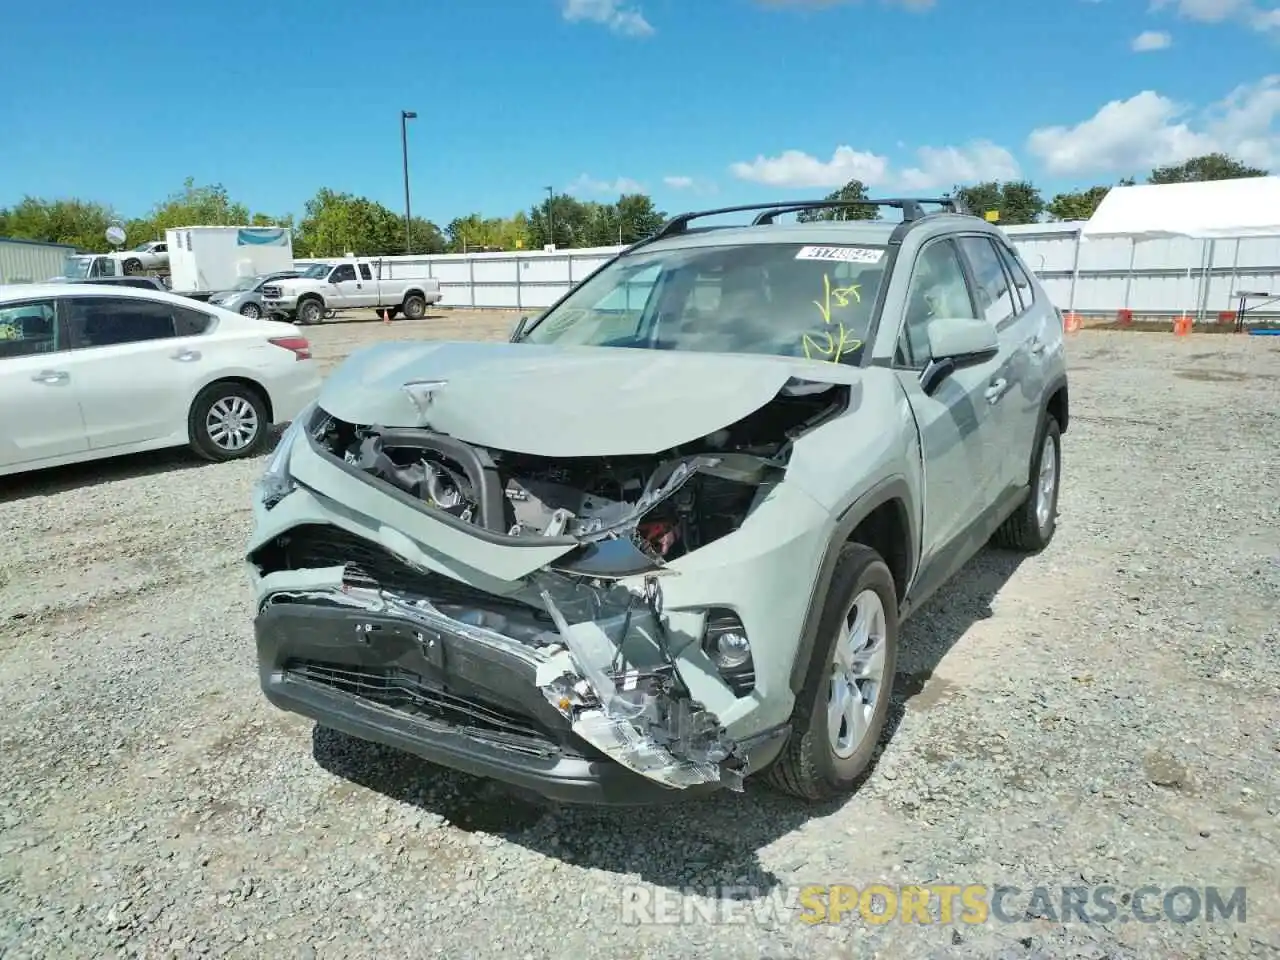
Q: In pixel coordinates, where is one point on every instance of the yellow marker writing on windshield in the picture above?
(829, 344)
(841, 295)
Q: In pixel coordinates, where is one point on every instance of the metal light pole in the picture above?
(551, 215)
(405, 116)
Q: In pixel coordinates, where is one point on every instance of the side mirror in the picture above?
(518, 328)
(955, 343)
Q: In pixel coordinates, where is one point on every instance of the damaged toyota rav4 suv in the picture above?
(664, 538)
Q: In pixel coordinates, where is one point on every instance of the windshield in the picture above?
(248, 283)
(76, 268)
(791, 300)
(144, 246)
(315, 271)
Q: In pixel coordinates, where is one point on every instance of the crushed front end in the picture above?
(581, 627)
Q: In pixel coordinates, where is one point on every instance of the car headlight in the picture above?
(275, 483)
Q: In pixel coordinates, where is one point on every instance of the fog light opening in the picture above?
(726, 642)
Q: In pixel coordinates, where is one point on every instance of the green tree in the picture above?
(334, 224)
(488, 233)
(1016, 201)
(638, 217)
(1211, 166)
(1078, 205)
(81, 223)
(425, 236)
(853, 190)
(567, 217)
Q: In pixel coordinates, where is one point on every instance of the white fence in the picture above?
(1099, 277)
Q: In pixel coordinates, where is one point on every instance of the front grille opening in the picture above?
(407, 692)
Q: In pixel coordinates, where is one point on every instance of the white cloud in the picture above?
(614, 14)
(678, 183)
(1260, 15)
(945, 166)
(935, 167)
(1149, 40)
(794, 168)
(587, 184)
(1150, 130)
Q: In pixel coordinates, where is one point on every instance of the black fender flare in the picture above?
(892, 488)
(1057, 383)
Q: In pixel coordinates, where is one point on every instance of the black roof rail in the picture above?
(912, 209)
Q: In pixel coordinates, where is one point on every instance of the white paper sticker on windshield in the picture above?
(841, 254)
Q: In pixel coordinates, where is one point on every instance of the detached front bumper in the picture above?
(440, 696)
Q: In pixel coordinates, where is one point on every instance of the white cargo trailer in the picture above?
(207, 259)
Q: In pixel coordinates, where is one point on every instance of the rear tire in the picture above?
(415, 307)
(820, 761)
(1030, 528)
(132, 267)
(228, 421)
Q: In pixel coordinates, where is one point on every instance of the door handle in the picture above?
(996, 389)
(185, 355)
(1038, 347)
(52, 376)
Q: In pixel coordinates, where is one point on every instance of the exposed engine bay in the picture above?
(666, 504)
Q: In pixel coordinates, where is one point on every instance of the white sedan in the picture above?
(88, 372)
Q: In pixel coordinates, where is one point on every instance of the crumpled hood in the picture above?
(554, 401)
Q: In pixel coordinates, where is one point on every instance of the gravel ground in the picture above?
(1104, 713)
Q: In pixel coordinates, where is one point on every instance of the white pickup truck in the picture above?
(343, 284)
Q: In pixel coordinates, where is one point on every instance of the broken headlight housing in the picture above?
(275, 483)
(724, 640)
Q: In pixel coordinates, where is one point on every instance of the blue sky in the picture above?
(695, 101)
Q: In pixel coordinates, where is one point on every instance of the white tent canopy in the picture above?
(1206, 210)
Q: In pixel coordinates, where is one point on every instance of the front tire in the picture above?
(1030, 528)
(842, 708)
(228, 421)
(310, 312)
(415, 307)
(132, 267)
(251, 310)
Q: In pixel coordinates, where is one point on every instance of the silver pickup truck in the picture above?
(345, 284)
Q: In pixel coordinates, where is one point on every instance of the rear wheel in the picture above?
(415, 307)
(841, 710)
(1032, 526)
(228, 421)
(251, 310)
(133, 266)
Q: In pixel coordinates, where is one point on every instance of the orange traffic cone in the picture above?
(386, 317)
(1182, 326)
(1071, 322)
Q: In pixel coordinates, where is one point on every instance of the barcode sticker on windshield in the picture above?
(841, 254)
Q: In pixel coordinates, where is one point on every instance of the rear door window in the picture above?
(995, 294)
(1021, 279)
(108, 321)
(28, 329)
